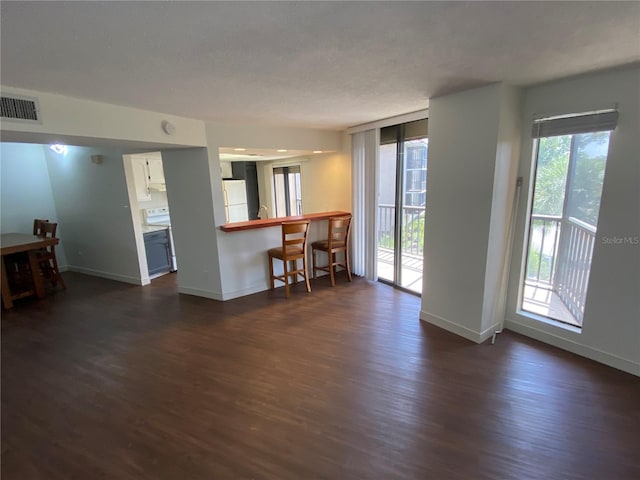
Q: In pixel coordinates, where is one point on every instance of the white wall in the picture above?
(64, 117)
(273, 137)
(93, 209)
(611, 327)
(26, 193)
(465, 167)
(502, 206)
(189, 175)
(326, 183)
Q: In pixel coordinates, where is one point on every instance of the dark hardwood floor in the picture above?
(113, 381)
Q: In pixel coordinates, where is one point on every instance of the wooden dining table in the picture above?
(11, 243)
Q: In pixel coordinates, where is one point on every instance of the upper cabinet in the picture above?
(148, 175)
(156, 172)
(226, 170)
(141, 178)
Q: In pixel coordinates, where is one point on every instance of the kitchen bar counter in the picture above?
(277, 221)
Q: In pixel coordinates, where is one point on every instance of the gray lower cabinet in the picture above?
(158, 254)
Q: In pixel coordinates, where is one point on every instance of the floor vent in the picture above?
(20, 108)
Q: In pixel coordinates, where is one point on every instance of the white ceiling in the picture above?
(312, 64)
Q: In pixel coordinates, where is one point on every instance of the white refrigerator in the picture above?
(235, 200)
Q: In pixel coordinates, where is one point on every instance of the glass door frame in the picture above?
(397, 234)
(400, 195)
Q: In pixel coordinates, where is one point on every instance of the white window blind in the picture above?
(602, 121)
(364, 157)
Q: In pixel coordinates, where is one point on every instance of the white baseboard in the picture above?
(574, 347)
(244, 291)
(109, 275)
(461, 330)
(197, 292)
(262, 287)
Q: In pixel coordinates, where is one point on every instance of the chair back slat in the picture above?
(294, 234)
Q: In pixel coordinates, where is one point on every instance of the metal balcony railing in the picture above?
(412, 228)
(559, 259)
(574, 263)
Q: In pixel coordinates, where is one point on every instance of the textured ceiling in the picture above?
(312, 64)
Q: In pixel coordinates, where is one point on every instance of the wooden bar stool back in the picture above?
(294, 248)
(337, 241)
(47, 256)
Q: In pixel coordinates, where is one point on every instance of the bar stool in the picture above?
(337, 241)
(294, 248)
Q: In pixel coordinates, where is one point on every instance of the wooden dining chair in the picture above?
(294, 248)
(37, 226)
(337, 241)
(47, 256)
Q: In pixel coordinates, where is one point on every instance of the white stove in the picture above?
(159, 217)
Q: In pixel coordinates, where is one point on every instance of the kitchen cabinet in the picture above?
(156, 244)
(155, 170)
(148, 175)
(141, 178)
(225, 170)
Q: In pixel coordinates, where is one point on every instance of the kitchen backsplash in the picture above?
(158, 199)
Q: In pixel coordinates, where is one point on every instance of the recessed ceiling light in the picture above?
(239, 149)
(317, 151)
(282, 150)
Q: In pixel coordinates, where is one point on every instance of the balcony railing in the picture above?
(412, 228)
(559, 259)
(574, 264)
(543, 249)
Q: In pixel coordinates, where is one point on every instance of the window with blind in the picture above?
(570, 155)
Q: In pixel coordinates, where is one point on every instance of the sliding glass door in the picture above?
(402, 199)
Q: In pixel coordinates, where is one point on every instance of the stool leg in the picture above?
(332, 268)
(286, 279)
(306, 272)
(271, 272)
(313, 263)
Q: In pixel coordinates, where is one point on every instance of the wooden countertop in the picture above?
(274, 222)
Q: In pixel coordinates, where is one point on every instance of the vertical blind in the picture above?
(364, 157)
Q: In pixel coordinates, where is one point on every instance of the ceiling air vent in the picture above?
(18, 108)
